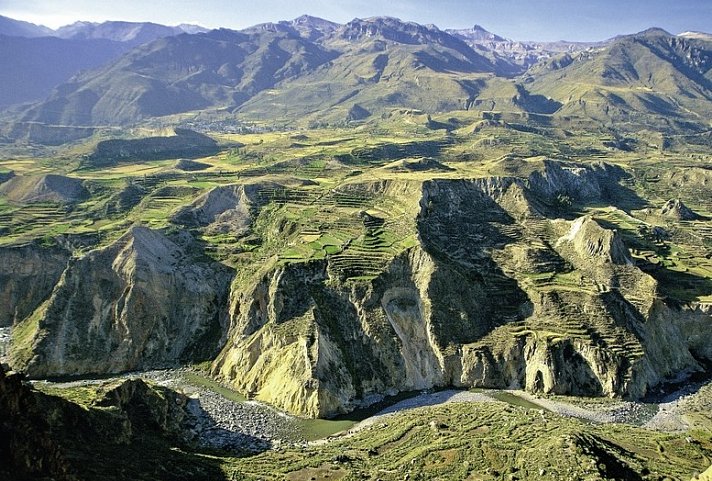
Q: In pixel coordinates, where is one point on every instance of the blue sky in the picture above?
(517, 19)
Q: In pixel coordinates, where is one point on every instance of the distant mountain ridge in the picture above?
(18, 28)
(118, 31)
(134, 33)
(514, 54)
(34, 59)
(312, 70)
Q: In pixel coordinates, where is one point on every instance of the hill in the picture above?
(44, 188)
(183, 143)
(31, 67)
(18, 28)
(221, 68)
(651, 78)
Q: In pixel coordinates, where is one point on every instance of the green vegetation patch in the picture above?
(485, 441)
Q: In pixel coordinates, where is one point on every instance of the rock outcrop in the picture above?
(28, 275)
(676, 209)
(144, 301)
(591, 243)
(223, 209)
(580, 182)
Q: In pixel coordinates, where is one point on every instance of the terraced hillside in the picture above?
(320, 270)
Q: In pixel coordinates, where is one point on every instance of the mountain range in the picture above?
(35, 58)
(310, 70)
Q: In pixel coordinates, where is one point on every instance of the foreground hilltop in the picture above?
(153, 425)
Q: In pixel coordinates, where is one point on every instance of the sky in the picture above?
(543, 20)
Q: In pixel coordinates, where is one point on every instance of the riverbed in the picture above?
(224, 419)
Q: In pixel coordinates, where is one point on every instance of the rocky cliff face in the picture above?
(493, 291)
(676, 209)
(27, 276)
(144, 301)
(223, 209)
(494, 295)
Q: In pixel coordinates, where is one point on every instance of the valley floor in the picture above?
(225, 420)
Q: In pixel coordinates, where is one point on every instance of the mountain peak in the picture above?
(390, 28)
(313, 28)
(654, 32)
(478, 34)
(311, 20)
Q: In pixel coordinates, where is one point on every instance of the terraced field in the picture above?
(403, 201)
(485, 442)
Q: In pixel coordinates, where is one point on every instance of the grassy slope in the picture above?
(487, 441)
(457, 441)
(367, 153)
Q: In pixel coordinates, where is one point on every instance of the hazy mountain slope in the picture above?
(179, 74)
(311, 28)
(380, 62)
(132, 33)
(648, 77)
(18, 28)
(514, 56)
(311, 70)
(31, 67)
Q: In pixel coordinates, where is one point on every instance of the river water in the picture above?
(225, 419)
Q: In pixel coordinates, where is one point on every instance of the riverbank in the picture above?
(223, 419)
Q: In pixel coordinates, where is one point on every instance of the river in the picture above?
(225, 419)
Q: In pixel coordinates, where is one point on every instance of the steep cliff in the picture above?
(376, 287)
(28, 275)
(493, 295)
(144, 301)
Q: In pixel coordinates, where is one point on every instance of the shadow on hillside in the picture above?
(681, 387)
